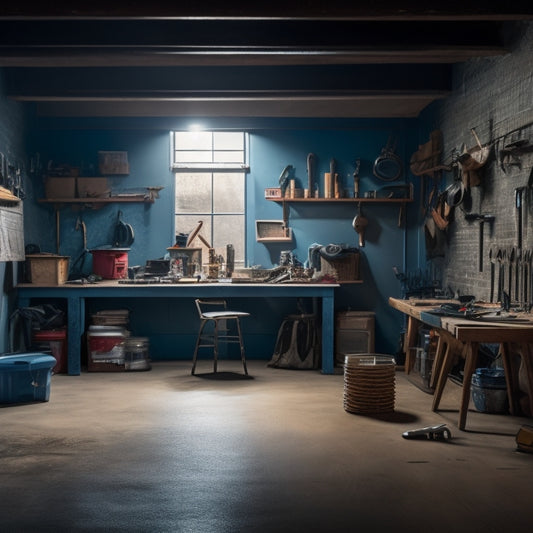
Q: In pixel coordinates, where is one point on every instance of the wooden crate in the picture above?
(60, 187)
(345, 268)
(272, 231)
(47, 269)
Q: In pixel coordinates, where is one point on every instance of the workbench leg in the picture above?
(410, 341)
(328, 327)
(76, 319)
(510, 378)
(526, 354)
(445, 368)
(438, 361)
(470, 368)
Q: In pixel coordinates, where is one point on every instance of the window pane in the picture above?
(229, 157)
(198, 156)
(228, 193)
(227, 140)
(193, 140)
(229, 229)
(193, 192)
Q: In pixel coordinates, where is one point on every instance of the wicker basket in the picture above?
(345, 268)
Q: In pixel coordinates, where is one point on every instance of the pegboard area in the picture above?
(495, 97)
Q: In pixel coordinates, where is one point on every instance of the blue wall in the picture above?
(14, 128)
(273, 145)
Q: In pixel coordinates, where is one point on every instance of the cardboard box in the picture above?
(60, 187)
(47, 269)
(93, 188)
(25, 377)
(115, 162)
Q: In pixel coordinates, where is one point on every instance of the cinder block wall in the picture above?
(494, 96)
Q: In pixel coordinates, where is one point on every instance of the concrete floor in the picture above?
(164, 451)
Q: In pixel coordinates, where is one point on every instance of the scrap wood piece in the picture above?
(7, 196)
(427, 159)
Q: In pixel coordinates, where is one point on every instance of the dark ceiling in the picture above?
(290, 59)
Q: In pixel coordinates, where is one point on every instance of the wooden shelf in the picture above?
(343, 200)
(109, 200)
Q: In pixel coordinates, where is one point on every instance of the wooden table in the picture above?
(464, 336)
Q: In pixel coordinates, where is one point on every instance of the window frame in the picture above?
(213, 168)
(210, 167)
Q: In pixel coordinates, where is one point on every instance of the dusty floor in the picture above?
(164, 451)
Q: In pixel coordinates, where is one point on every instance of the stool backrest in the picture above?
(214, 304)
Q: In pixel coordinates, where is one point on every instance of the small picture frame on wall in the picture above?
(113, 163)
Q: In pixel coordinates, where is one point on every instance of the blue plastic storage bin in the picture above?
(25, 377)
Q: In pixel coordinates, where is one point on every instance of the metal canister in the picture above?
(137, 353)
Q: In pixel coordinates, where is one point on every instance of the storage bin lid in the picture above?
(26, 362)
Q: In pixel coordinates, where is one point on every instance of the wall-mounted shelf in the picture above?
(381, 200)
(342, 200)
(109, 200)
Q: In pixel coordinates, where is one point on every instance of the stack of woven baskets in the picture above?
(369, 383)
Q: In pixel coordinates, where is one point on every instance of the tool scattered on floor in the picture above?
(438, 432)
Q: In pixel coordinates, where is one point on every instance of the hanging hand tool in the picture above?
(529, 280)
(482, 219)
(518, 274)
(511, 268)
(359, 224)
(499, 257)
(311, 164)
(356, 178)
(492, 258)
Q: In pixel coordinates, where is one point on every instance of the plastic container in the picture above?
(53, 341)
(105, 350)
(25, 377)
(111, 263)
(489, 390)
(137, 353)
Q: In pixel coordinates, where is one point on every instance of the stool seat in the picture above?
(220, 333)
(224, 314)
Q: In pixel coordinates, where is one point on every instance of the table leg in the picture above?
(447, 365)
(75, 325)
(526, 354)
(328, 327)
(470, 367)
(438, 361)
(510, 379)
(410, 341)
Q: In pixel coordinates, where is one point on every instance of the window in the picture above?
(210, 187)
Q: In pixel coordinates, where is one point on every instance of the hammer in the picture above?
(482, 219)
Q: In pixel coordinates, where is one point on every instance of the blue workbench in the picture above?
(75, 296)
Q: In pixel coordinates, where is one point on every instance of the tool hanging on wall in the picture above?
(311, 169)
(359, 224)
(356, 178)
(77, 267)
(124, 234)
(388, 166)
(482, 219)
(471, 161)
